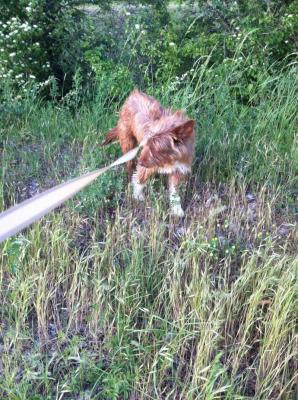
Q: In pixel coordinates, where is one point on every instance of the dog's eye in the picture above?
(177, 141)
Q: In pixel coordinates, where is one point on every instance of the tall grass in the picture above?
(108, 299)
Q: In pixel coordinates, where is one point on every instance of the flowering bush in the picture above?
(22, 58)
(40, 39)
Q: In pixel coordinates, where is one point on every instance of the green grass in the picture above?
(108, 299)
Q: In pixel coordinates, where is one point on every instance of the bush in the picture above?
(22, 58)
(260, 35)
(142, 45)
(159, 43)
(42, 38)
(113, 78)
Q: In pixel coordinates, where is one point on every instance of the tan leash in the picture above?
(22, 215)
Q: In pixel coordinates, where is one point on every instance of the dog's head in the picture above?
(167, 146)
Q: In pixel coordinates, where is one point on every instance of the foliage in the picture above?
(112, 77)
(259, 36)
(106, 298)
(40, 39)
(141, 45)
(157, 49)
(22, 58)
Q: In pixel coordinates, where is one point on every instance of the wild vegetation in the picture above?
(106, 298)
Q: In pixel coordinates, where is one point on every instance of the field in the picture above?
(107, 298)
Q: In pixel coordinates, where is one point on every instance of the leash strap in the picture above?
(24, 214)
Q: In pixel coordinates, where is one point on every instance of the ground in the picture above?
(108, 298)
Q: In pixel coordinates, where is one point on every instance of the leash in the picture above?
(24, 214)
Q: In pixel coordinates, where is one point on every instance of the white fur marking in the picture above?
(175, 202)
(137, 188)
(177, 167)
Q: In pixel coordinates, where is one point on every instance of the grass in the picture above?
(108, 299)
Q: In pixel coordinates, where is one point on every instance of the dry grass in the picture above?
(108, 299)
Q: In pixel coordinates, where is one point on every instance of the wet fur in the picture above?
(167, 137)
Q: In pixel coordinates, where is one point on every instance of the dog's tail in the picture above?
(112, 136)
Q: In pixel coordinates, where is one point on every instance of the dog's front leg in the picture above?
(139, 180)
(175, 201)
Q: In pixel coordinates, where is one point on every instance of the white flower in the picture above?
(12, 54)
(172, 44)
(1, 50)
(32, 76)
(127, 13)
(137, 26)
(36, 44)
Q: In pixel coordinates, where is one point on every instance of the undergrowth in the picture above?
(108, 299)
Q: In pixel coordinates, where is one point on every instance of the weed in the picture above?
(108, 299)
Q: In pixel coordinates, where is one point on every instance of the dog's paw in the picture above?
(139, 196)
(137, 189)
(176, 210)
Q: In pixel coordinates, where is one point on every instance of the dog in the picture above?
(167, 139)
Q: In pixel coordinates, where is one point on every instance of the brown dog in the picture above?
(168, 141)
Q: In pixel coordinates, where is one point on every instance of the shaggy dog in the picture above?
(167, 139)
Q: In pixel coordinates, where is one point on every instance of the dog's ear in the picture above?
(184, 130)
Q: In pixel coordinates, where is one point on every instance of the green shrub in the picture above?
(40, 39)
(22, 57)
(142, 43)
(261, 36)
(113, 78)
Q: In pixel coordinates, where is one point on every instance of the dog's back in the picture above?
(138, 113)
